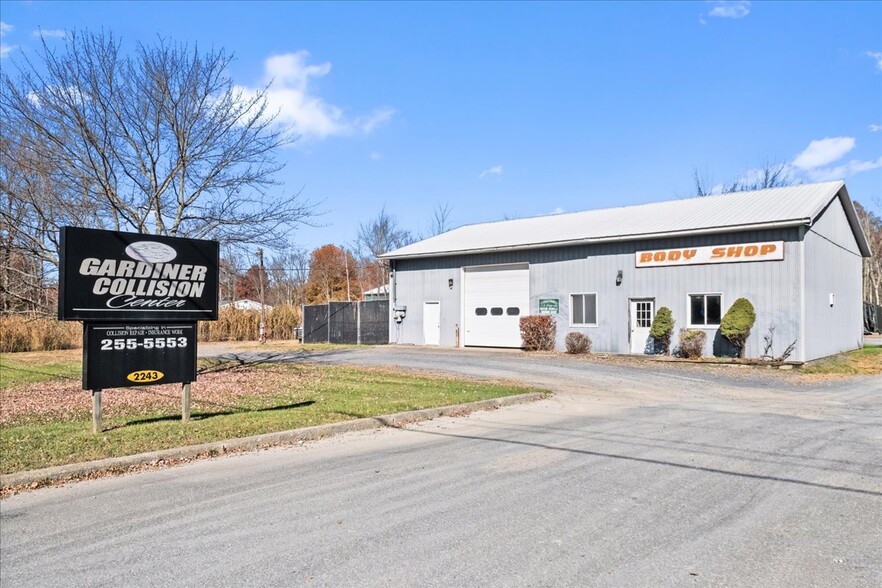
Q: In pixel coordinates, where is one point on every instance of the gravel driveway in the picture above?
(630, 475)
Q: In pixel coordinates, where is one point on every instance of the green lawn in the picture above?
(286, 397)
(16, 372)
(860, 362)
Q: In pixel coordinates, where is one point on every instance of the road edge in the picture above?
(71, 472)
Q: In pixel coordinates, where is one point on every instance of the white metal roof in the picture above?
(740, 211)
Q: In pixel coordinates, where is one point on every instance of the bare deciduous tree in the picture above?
(376, 237)
(158, 141)
(768, 175)
(871, 223)
(440, 221)
(289, 272)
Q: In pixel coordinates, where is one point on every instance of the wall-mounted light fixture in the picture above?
(619, 278)
(450, 283)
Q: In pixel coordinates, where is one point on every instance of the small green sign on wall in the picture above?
(549, 305)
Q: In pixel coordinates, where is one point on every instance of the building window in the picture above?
(583, 310)
(480, 312)
(512, 311)
(705, 310)
(496, 311)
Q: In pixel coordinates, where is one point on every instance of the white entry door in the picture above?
(432, 323)
(642, 313)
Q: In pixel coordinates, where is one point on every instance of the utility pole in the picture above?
(262, 336)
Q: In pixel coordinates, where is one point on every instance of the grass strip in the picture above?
(329, 394)
(860, 362)
(15, 373)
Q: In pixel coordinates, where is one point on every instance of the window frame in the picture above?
(689, 323)
(596, 309)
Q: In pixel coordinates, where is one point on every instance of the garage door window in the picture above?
(583, 310)
(481, 311)
(496, 311)
(705, 310)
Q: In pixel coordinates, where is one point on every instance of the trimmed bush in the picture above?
(577, 343)
(737, 323)
(538, 332)
(692, 343)
(662, 329)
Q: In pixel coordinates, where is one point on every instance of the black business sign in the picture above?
(112, 276)
(120, 355)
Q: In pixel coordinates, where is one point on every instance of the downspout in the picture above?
(803, 352)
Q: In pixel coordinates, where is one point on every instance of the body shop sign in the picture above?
(765, 251)
(113, 276)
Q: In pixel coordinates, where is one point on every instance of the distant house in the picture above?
(245, 304)
(378, 293)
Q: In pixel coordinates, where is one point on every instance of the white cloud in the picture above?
(875, 128)
(701, 20)
(49, 33)
(290, 96)
(376, 156)
(367, 124)
(814, 162)
(4, 48)
(496, 170)
(730, 9)
(877, 57)
(558, 210)
(823, 151)
(845, 170)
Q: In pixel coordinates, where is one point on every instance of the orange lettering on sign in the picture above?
(646, 257)
(718, 252)
(734, 251)
(767, 248)
(659, 256)
(751, 250)
(674, 255)
(689, 253)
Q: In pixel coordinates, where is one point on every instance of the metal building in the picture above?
(794, 252)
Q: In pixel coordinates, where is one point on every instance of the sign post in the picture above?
(96, 411)
(185, 402)
(139, 297)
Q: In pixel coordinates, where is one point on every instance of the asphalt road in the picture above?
(646, 475)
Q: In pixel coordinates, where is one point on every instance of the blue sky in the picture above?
(526, 109)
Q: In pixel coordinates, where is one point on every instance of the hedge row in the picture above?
(21, 333)
(244, 325)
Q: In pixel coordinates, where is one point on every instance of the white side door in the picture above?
(431, 323)
(642, 313)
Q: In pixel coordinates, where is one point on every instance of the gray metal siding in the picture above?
(773, 287)
(426, 285)
(833, 266)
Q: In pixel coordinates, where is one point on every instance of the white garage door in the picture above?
(494, 300)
